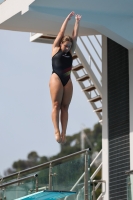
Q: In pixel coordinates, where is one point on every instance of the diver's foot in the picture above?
(57, 136)
(63, 138)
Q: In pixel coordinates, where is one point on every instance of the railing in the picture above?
(59, 174)
(92, 48)
(87, 69)
(92, 191)
(129, 185)
(95, 185)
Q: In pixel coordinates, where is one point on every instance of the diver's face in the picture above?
(66, 46)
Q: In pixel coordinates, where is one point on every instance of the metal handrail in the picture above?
(97, 40)
(18, 180)
(94, 48)
(94, 189)
(129, 172)
(45, 164)
(96, 171)
(84, 172)
(95, 158)
(91, 56)
(99, 181)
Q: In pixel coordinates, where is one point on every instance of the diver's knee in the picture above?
(65, 107)
(56, 105)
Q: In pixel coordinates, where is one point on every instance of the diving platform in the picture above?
(47, 195)
(112, 19)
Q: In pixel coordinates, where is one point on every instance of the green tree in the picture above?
(72, 145)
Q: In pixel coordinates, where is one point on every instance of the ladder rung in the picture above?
(77, 67)
(97, 98)
(83, 78)
(100, 121)
(90, 88)
(74, 56)
(98, 110)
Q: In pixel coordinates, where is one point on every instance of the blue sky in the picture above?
(25, 104)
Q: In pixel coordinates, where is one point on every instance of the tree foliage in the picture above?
(92, 139)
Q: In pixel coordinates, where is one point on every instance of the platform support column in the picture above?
(105, 141)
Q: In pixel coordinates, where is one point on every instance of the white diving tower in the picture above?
(113, 21)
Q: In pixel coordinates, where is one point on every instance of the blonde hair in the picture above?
(67, 38)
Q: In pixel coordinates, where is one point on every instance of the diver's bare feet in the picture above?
(57, 136)
(63, 138)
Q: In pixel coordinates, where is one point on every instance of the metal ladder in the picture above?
(87, 79)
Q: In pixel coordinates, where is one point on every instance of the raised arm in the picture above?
(75, 31)
(62, 30)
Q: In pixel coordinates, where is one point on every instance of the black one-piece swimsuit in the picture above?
(62, 65)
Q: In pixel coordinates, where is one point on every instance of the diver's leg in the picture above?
(56, 91)
(67, 96)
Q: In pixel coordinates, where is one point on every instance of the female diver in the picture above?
(60, 83)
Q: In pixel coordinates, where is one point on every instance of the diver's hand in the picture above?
(78, 17)
(70, 15)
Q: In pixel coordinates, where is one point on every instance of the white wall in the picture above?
(105, 145)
